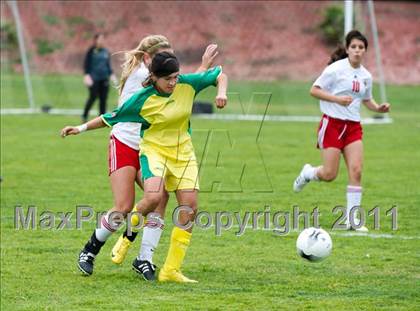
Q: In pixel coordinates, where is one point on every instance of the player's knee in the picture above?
(161, 207)
(124, 207)
(189, 215)
(356, 172)
(194, 209)
(153, 199)
(194, 214)
(329, 175)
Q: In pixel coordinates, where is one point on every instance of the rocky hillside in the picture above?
(257, 40)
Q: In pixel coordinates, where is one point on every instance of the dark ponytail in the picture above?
(340, 51)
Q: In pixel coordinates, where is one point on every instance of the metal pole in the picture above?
(22, 50)
(377, 50)
(348, 16)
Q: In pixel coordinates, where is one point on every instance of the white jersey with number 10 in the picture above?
(341, 79)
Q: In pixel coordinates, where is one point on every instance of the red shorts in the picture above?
(121, 155)
(338, 133)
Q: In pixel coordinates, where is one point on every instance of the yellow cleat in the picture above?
(173, 276)
(120, 250)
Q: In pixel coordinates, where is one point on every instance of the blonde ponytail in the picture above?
(150, 45)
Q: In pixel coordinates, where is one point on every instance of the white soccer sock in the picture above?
(311, 173)
(105, 231)
(354, 198)
(151, 235)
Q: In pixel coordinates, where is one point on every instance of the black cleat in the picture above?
(85, 262)
(146, 269)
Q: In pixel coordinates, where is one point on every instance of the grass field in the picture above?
(256, 271)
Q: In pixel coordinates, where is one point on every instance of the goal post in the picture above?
(348, 26)
(23, 56)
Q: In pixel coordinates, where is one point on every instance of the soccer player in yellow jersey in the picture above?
(167, 155)
(124, 167)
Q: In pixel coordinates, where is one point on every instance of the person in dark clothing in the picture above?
(97, 68)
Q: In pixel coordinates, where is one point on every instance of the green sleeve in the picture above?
(201, 80)
(128, 112)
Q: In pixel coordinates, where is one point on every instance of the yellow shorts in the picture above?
(177, 174)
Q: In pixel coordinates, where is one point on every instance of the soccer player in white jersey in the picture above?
(124, 167)
(342, 87)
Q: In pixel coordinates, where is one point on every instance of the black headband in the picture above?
(164, 64)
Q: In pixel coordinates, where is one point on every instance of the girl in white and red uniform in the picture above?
(123, 156)
(341, 88)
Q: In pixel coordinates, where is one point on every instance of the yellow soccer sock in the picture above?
(180, 240)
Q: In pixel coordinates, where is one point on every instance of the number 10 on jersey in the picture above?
(355, 86)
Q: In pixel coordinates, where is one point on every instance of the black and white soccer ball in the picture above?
(314, 244)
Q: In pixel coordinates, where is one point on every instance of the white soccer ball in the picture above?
(314, 244)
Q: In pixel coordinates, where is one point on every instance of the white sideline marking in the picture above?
(257, 117)
(6, 111)
(279, 118)
(212, 116)
(346, 234)
(376, 235)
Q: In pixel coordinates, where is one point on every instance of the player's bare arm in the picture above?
(319, 93)
(91, 125)
(373, 106)
(221, 97)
